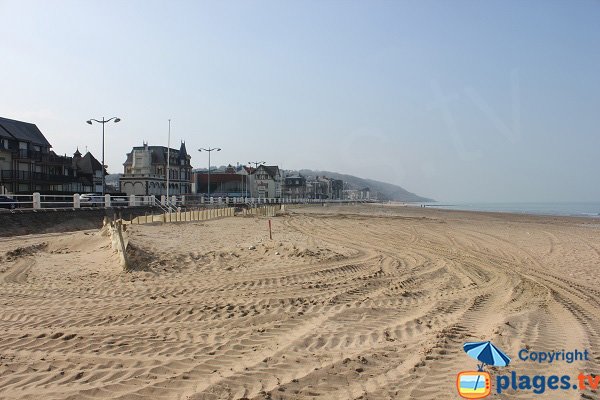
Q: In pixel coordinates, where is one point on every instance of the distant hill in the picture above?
(384, 191)
(112, 178)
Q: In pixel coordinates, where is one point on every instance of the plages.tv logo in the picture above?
(478, 384)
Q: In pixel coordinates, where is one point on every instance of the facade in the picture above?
(230, 183)
(266, 182)
(317, 188)
(337, 189)
(357, 194)
(298, 186)
(145, 171)
(27, 163)
(294, 187)
(89, 171)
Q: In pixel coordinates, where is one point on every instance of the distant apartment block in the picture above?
(27, 163)
(318, 187)
(294, 187)
(357, 194)
(145, 171)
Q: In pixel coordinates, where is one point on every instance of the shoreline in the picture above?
(490, 212)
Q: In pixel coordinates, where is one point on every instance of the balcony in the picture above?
(57, 159)
(26, 176)
(29, 155)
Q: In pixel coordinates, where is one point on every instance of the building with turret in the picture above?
(146, 169)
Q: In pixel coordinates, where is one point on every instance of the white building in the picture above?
(145, 171)
(266, 182)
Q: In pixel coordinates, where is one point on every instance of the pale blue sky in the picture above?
(455, 100)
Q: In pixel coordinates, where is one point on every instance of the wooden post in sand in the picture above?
(122, 251)
(270, 234)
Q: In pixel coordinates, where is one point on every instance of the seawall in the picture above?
(61, 220)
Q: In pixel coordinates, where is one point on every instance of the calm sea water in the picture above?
(588, 209)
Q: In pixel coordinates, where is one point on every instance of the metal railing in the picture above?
(25, 154)
(37, 201)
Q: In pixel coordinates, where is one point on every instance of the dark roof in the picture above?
(159, 154)
(88, 164)
(129, 159)
(23, 131)
(182, 151)
(272, 170)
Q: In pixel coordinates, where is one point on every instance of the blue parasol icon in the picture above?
(486, 353)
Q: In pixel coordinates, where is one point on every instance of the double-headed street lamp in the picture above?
(209, 150)
(104, 121)
(256, 163)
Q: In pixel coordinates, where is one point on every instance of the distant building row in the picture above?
(267, 181)
(27, 165)
(145, 174)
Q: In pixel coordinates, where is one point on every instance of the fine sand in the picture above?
(355, 302)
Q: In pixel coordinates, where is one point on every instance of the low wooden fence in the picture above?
(206, 214)
(182, 216)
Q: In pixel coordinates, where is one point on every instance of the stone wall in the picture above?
(61, 220)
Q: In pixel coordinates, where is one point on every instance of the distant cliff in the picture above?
(383, 190)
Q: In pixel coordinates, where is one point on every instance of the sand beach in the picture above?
(345, 302)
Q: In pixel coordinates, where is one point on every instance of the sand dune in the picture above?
(363, 302)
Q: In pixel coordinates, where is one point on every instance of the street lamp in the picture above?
(104, 121)
(209, 150)
(256, 164)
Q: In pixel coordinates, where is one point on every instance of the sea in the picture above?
(578, 209)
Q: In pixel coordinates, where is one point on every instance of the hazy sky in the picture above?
(455, 100)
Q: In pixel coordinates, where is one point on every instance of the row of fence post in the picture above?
(183, 200)
(183, 216)
(205, 214)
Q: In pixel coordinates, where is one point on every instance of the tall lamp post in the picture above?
(168, 173)
(104, 121)
(209, 150)
(256, 164)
